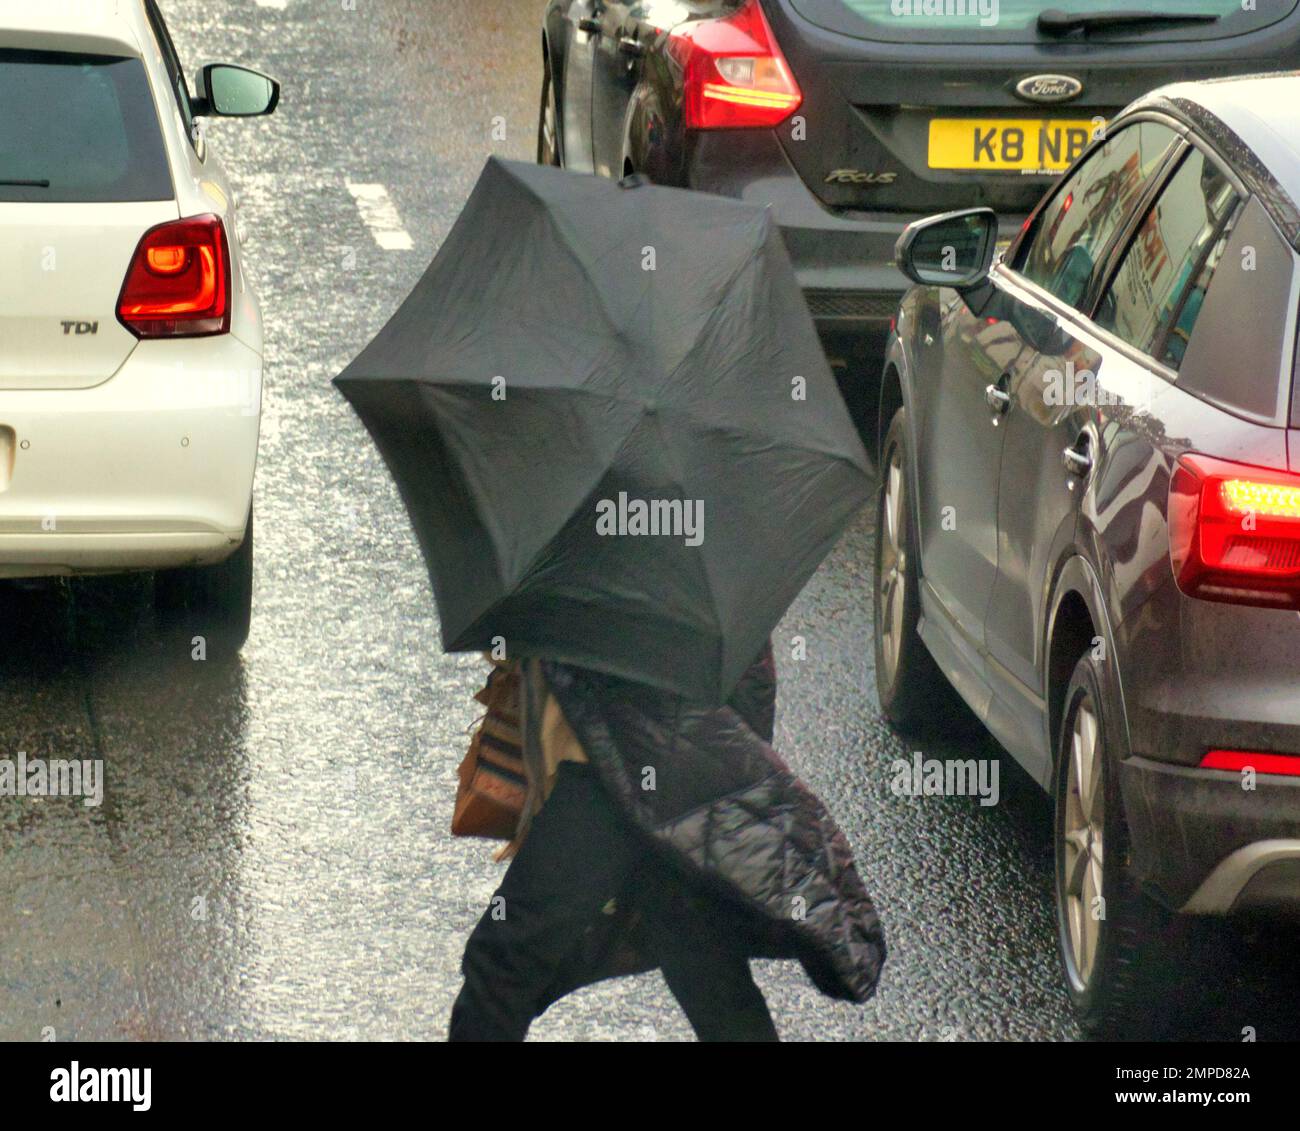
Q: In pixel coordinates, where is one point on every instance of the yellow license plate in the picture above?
(1020, 145)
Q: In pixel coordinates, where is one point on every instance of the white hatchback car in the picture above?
(130, 337)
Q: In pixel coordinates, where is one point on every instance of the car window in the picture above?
(1015, 20)
(1094, 201)
(1157, 293)
(1239, 356)
(78, 128)
(175, 72)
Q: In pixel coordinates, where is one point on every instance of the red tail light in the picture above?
(178, 284)
(1234, 532)
(1237, 760)
(735, 76)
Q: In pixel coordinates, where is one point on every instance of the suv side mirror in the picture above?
(228, 91)
(953, 249)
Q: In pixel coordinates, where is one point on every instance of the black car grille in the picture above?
(851, 304)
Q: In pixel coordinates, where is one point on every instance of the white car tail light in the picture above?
(178, 284)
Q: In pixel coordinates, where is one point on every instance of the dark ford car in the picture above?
(1090, 517)
(852, 117)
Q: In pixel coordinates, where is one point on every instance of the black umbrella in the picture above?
(609, 416)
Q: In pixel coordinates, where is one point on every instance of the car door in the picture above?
(582, 33)
(619, 56)
(1081, 368)
(960, 355)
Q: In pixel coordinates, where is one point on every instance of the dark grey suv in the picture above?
(1090, 516)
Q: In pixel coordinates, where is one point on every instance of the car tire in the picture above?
(914, 694)
(548, 124)
(212, 601)
(1116, 954)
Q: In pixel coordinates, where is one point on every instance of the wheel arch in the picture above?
(549, 60)
(649, 142)
(895, 393)
(891, 400)
(553, 43)
(1078, 620)
(896, 372)
(553, 64)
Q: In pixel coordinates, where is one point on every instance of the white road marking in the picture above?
(278, 5)
(380, 216)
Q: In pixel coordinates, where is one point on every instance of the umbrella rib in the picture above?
(811, 447)
(575, 253)
(704, 565)
(477, 387)
(527, 571)
(476, 384)
(716, 312)
(571, 251)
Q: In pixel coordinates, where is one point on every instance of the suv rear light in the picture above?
(735, 76)
(1234, 532)
(1237, 760)
(178, 284)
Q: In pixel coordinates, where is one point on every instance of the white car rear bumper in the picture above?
(151, 469)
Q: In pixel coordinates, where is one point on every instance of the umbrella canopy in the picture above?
(608, 413)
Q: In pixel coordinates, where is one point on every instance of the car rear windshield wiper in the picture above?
(24, 184)
(1056, 22)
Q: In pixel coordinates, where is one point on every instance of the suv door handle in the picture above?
(996, 396)
(1078, 462)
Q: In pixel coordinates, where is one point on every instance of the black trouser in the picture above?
(579, 854)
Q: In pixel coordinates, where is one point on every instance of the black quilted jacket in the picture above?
(745, 831)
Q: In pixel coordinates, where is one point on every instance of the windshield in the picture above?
(1016, 20)
(78, 128)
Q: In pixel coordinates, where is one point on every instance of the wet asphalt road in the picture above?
(272, 857)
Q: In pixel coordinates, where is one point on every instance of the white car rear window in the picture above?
(78, 128)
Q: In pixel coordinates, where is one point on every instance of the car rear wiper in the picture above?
(1056, 22)
(24, 184)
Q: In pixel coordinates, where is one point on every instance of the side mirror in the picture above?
(954, 249)
(227, 91)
